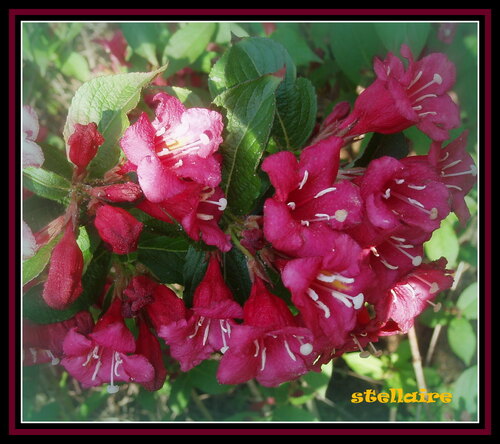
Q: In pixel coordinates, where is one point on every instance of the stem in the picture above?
(199, 403)
(236, 241)
(417, 364)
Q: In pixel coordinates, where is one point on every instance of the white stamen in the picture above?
(202, 216)
(399, 239)
(456, 187)
(54, 360)
(426, 96)
(432, 113)
(357, 300)
(257, 348)
(433, 287)
(205, 333)
(399, 181)
(417, 108)
(388, 265)
(263, 359)
(334, 277)
(417, 187)
(433, 212)
(415, 260)
(197, 326)
(452, 164)
(224, 347)
(415, 80)
(118, 361)
(289, 351)
(325, 191)
(306, 349)
(96, 370)
(161, 131)
(376, 352)
(292, 205)
(324, 308)
(179, 163)
(304, 222)
(472, 170)
(363, 353)
(387, 194)
(221, 203)
(447, 154)
(436, 79)
(312, 294)
(341, 215)
(304, 179)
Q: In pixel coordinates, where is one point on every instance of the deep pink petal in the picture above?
(138, 140)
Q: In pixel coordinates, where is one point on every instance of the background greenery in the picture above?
(326, 63)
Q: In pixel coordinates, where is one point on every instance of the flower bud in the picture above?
(83, 144)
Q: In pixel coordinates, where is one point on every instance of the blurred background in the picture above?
(337, 59)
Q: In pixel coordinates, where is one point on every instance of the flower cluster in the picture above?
(347, 242)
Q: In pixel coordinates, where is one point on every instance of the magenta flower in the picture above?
(269, 346)
(118, 228)
(406, 191)
(411, 295)
(400, 98)
(308, 207)
(456, 170)
(328, 290)
(178, 144)
(107, 354)
(64, 280)
(44, 342)
(209, 327)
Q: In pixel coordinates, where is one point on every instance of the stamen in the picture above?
(263, 359)
(96, 370)
(399, 181)
(161, 131)
(363, 353)
(446, 155)
(415, 80)
(289, 351)
(118, 361)
(425, 96)
(257, 347)
(292, 205)
(54, 360)
(436, 79)
(417, 187)
(305, 348)
(433, 212)
(357, 300)
(432, 113)
(472, 170)
(334, 277)
(415, 260)
(433, 286)
(376, 353)
(221, 203)
(325, 191)
(312, 294)
(205, 333)
(456, 187)
(203, 216)
(197, 326)
(417, 108)
(324, 308)
(436, 307)
(224, 347)
(387, 194)
(304, 179)
(388, 265)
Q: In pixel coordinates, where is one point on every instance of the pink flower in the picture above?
(32, 154)
(44, 342)
(269, 346)
(107, 354)
(178, 144)
(118, 228)
(406, 191)
(456, 170)
(83, 144)
(308, 207)
(411, 295)
(400, 97)
(209, 327)
(64, 280)
(118, 192)
(328, 290)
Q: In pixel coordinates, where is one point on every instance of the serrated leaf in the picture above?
(142, 38)
(393, 35)
(46, 184)
(467, 302)
(186, 45)
(164, 256)
(394, 145)
(290, 36)
(250, 109)
(106, 100)
(462, 339)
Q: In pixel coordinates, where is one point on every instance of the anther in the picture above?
(376, 353)
(202, 216)
(263, 359)
(304, 179)
(221, 203)
(290, 353)
(363, 353)
(349, 301)
(436, 307)
(292, 205)
(54, 360)
(325, 191)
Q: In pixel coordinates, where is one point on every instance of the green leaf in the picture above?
(394, 145)
(143, 38)
(164, 256)
(46, 184)
(393, 35)
(236, 274)
(467, 302)
(186, 45)
(204, 378)
(292, 413)
(354, 45)
(444, 242)
(193, 271)
(252, 58)
(462, 339)
(371, 366)
(290, 36)
(76, 66)
(465, 391)
(106, 100)
(250, 108)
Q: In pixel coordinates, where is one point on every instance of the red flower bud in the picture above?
(118, 192)
(83, 144)
(118, 228)
(64, 281)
